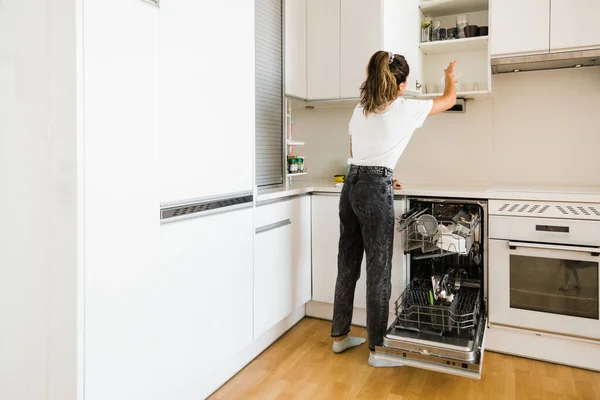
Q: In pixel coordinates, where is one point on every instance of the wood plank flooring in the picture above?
(301, 365)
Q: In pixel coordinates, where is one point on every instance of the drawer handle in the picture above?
(273, 226)
(551, 228)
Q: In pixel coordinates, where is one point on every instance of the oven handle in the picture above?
(594, 251)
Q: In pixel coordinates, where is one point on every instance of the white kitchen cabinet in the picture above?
(207, 98)
(205, 309)
(361, 36)
(325, 238)
(518, 26)
(574, 25)
(120, 195)
(79, 134)
(368, 26)
(295, 48)
(282, 267)
(323, 49)
(342, 35)
(401, 34)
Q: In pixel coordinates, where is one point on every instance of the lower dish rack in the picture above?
(415, 311)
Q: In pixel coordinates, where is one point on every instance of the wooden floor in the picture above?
(301, 365)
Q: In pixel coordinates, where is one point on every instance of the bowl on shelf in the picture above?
(482, 31)
(471, 30)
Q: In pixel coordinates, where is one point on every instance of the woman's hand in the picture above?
(451, 68)
(397, 185)
(448, 99)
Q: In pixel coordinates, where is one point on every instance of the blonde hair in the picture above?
(385, 72)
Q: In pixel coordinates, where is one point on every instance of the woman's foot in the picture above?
(373, 362)
(344, 343)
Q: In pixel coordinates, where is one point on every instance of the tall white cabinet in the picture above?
(80, 133)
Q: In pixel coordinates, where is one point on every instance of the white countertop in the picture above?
(588, 194)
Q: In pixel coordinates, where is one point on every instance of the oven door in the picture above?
(545, 287)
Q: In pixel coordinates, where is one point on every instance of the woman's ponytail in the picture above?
(385, 72)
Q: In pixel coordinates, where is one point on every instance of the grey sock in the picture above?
(373, 362)
(347, 343)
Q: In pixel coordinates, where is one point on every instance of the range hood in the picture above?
(585, 58)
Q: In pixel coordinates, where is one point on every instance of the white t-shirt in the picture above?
(380, 139)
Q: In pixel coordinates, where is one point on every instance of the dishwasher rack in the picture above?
(415, 312)
(451, 236)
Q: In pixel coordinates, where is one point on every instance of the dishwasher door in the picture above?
(456, 355)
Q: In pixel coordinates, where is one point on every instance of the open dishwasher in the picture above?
(440, 319)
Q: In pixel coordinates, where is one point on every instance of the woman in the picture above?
(380, 128)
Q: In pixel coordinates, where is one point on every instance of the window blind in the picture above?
(269, 92)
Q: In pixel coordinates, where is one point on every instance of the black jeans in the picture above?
(366, 225)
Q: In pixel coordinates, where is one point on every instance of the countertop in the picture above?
(587, 194)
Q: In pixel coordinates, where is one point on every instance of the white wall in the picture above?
(38, 181)
(538, 128)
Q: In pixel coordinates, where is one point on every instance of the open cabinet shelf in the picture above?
(437, 8)
(473, 94)
(473, 71)
(454, 46)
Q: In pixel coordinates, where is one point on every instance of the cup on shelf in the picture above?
(482, 31)
(471, 30)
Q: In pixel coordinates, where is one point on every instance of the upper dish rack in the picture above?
(437, 238)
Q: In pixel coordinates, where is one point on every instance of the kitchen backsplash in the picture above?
(539, 128)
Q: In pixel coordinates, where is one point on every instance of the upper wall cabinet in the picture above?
(343, 34)
(295, 48)
(323, 49)
(542, 26)
(574, 25)
(368, 26)
(519, 26)
(469, 47)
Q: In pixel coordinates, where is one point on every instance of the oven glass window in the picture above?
(554, 286)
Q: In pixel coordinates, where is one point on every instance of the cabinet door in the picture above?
(207, 98)
(519, 26)
(295, 48)
(325, 238)
(282, 270)
(326, 234)
(574, 25)
(323, 49)
(401, 35)
(120, 235)
(205, 306)
(302, 263)
(361, 36)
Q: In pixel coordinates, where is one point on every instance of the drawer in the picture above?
(273, 213)
(545, 230)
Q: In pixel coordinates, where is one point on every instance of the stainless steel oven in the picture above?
(544, 267)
